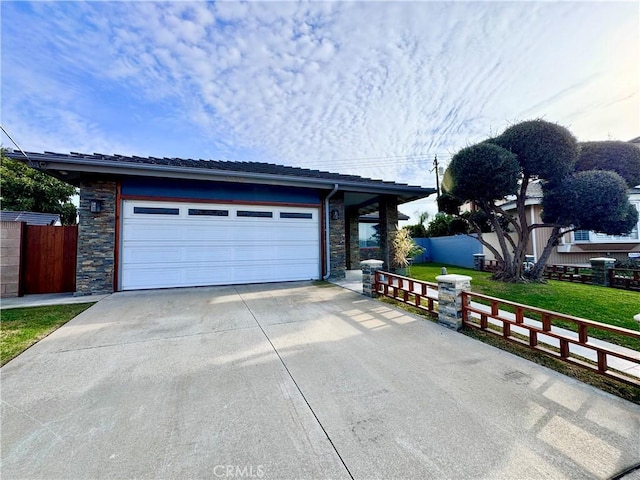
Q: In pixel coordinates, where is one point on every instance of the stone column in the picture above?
(353, 240)
(388, 226)
(369, 269)
(600, 270)
(450, 288)
(96, 239)
(478, 261)
(337, 250)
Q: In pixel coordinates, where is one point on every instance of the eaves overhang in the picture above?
(70, 168)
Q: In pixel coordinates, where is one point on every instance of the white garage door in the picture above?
(175, 244)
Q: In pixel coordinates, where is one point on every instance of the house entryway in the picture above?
(351, 281)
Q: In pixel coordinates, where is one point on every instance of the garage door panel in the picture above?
(211, 254)
(145, 255)
(201, 275)
(191, 250)
(209, 233)
(152, 277)
(141, 232)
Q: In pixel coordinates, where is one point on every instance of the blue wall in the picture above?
(456, 250)
(221, 191)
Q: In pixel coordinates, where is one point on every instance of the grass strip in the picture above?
(22, 327)
(601, 304)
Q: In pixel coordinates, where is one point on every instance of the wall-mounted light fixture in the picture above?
(95, 206)
(335, 214)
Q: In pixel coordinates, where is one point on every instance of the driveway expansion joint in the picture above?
(333, 446)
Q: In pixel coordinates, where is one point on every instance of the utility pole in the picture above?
(435, 168)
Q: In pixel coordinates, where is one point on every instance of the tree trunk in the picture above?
(538, 268)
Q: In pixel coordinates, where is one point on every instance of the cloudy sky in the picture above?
(371, 88)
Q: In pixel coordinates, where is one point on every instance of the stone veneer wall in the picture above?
(353, 241)
(369, 269)
(450, 288)
(96, 238)
(388, 226)
(337, 240)
(600, 270)
(370, 253)
(10, 249)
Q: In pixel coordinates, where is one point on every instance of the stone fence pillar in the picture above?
(450, 288)
(600, 270)
(369, 269)
(478, 261)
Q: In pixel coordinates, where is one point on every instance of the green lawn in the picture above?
(22, 327)
(601, 304)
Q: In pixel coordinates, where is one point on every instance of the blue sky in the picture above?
(371, 88)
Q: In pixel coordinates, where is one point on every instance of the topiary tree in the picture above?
(501, 169)
(591, 200)
(620, 157)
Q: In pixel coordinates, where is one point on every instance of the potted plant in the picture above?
(404, 251)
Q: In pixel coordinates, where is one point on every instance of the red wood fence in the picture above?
(625, 278)
(516, 322)
(601, 357)
(419, 294)
(622, 278)
(49, 259)
(566, 273)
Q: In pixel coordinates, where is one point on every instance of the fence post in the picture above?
(478, 261)
(369, 269)
(600, 270)
(450, 288)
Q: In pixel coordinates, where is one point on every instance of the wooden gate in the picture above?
(49, 259)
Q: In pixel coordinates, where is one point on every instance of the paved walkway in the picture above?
(47, 299)
(288, 381)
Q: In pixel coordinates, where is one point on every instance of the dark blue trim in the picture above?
(218, 191)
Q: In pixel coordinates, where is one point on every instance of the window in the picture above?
(156, 211)
(296, 215)
(593, 237)
(369, 235)
(581, 235)
(208, 213)
(248, 213)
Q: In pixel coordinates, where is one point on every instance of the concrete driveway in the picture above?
(294, 381)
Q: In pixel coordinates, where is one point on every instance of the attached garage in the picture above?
(179, 244)
(148, 222)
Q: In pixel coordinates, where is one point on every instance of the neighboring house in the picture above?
(156, 223)
(574, 248)
(30, 218)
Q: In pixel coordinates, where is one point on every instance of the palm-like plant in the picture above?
(404, 248)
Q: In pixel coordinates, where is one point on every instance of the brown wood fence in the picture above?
(49, 259)
(516, 322)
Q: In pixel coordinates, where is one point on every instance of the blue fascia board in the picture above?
(217, 191)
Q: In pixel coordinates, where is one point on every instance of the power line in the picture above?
(388, 157)
(14, 142)
(382, 162)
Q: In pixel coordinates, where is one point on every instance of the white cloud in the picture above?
(313, 84)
